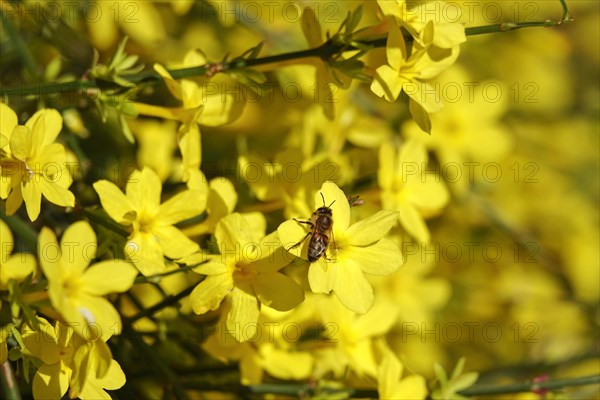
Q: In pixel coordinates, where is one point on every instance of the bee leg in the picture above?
(300, 242)
(305, 222)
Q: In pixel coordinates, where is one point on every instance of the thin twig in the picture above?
(325, 51)
(8, 383)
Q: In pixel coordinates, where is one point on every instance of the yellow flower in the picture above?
(410, 72)
(157, 143)
(247, 271)
(469, 128)
(353, 251)
(414, 17)
(353, 335)
(391, 386)
(272, 350)
(31, 164)
(288, 179)
(221, 201)
(17, 266)
(67, 360)
(201, 105)
(154, 235)
(408, 189)
(76, 290)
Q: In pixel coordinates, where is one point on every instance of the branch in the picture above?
(477, 390)
(8, 383)
(325, 51)
(168, 301)
(482, 390)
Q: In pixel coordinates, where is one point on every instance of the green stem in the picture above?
(105, 222)
(167, 302)
(157, 277)
(483, 390)
(325, 51)
(162, 370)
(10, 389)
(21, 228)
(477, 390)
(19, 44)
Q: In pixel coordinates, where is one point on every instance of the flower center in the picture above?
(244, 272)
(71, 287)
(146, 222)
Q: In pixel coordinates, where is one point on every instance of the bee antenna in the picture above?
(331, 203)
(323, 197)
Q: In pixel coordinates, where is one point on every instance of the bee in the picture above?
(321, 223)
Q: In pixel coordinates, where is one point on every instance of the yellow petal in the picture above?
(381, 258)
(173, 242)
(114, 202)
(6, 240)
(17, 267)
(277, 291)
(51, 381)
(371, 229)
(412, 154)
(386, 83)
(78, 247)
(293, 238)
(145, 252)
(43, 342)
(184, 205)
(395, 47)
(424, 94)
(190, 145)
(411, 387)
(428, 193)
(311, 27)
(114, 276)
(143, 190)
(57, 194)
(413, 223)
(419, 115)
(222, 197)
(8, 120)
(52, 125)
(352, 289)
(49, 253)
(209, 293)
(333, 196)
(20, 142)
(234, 234)
(98, 317)
(4, 141)
(389, 374)
(114, 378)
(286, 364)
(391, 8)
(449, 35)
(15, 198)
(146, 27)
(322, 276)
(242, 320)
(377, 322)
(32, 196)
(214, 266)
(221, 109)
